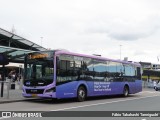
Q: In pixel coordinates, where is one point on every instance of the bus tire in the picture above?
(81, 94)
(126, 91)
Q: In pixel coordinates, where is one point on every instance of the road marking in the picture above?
(151, 92)
(129, 99)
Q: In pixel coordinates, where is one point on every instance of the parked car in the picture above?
(154, 84)
(150, 84)
(157, 87)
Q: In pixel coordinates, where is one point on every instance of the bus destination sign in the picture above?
(39, 55)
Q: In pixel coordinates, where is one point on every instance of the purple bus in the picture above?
(62, 74)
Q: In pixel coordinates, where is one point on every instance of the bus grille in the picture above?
(34, 91)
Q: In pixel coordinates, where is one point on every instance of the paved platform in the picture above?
(15, 95)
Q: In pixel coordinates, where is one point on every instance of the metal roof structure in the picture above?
(15, 47)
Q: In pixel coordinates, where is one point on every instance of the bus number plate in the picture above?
(34, 95)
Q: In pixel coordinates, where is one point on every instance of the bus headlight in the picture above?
(51, 90)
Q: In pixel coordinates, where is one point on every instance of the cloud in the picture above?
(88, 26)
(134, 31)
(126, 29)
(139, 53)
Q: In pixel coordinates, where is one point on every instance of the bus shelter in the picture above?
(13, 49)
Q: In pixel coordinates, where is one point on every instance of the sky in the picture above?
(112, 28)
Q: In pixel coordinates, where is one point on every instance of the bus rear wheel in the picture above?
(125, 91)
(81, 94)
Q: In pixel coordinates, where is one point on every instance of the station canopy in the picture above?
(15, 47)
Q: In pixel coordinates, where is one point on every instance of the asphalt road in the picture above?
(147, 100)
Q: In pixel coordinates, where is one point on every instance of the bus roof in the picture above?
(95, 57)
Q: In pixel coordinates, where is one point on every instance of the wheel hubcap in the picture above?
(81, 93)
(126, 92)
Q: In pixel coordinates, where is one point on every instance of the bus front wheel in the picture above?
(125, 91)
(81, 94)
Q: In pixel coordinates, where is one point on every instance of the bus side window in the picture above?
(63, 65)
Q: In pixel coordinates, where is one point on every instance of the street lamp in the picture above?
(120, 51)
(41, 40)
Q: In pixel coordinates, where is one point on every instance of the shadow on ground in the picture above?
(73, 100)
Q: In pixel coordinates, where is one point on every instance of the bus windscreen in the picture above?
(39, 66)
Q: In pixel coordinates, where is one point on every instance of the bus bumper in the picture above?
(45, 95)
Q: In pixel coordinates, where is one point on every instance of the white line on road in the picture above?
(151, 92)
(104, 103)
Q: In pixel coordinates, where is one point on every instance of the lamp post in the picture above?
(41, 40)
(120, 51)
